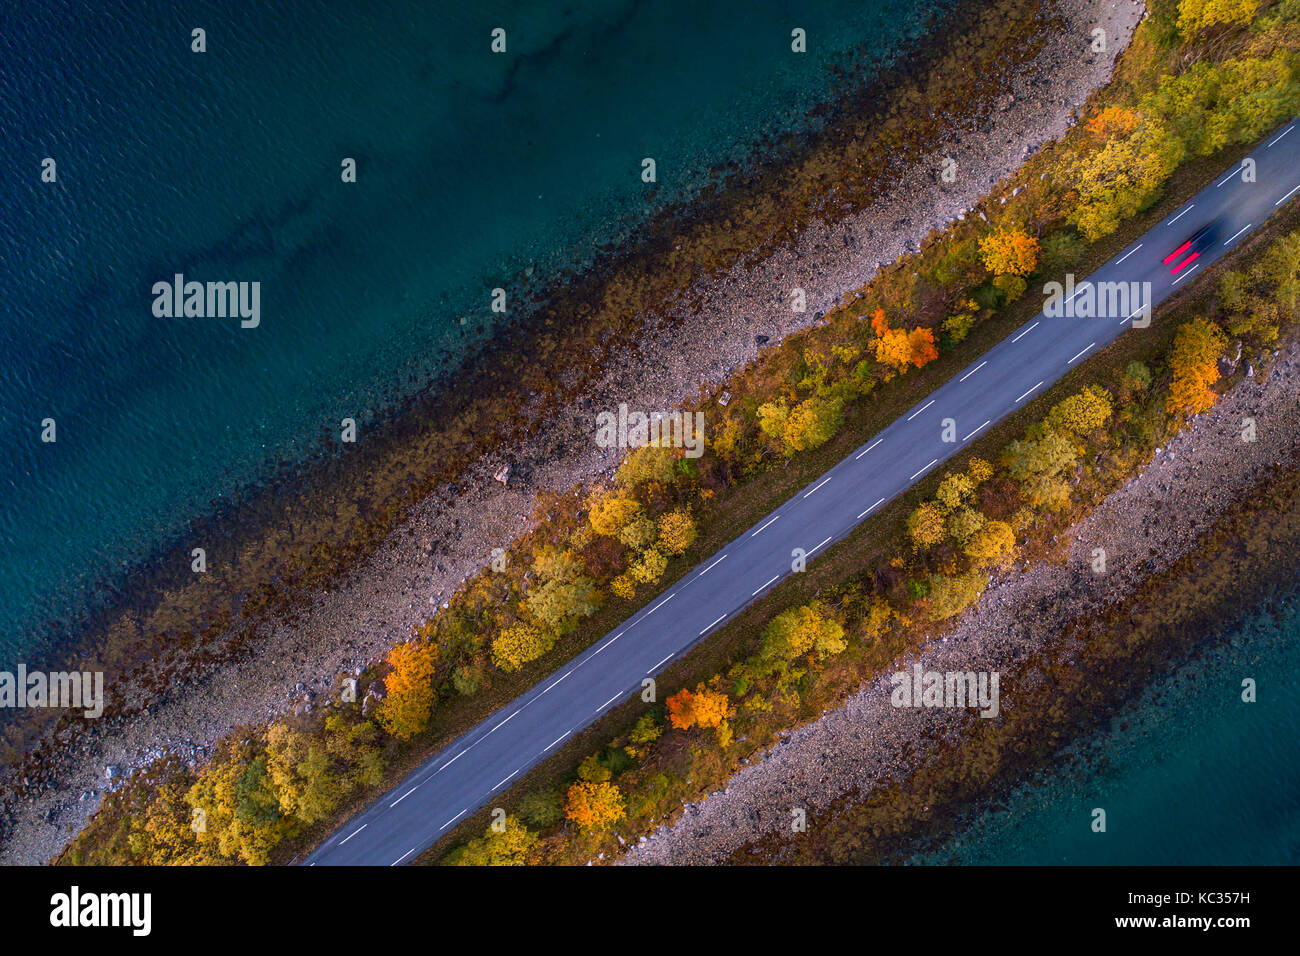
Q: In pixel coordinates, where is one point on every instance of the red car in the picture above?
(1191, 250)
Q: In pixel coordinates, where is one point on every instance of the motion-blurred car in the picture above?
(1190, 250)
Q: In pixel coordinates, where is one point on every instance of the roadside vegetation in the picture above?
(1200, 79)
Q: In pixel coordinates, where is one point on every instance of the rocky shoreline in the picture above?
(1144, 527)
(716, 329)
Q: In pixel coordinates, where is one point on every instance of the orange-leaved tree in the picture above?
(703, 708)
(899, 348)
(1194, 361)
(594, 806)
(405, 711)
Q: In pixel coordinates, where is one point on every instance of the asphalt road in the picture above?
(481, 765)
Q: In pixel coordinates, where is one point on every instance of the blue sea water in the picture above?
(1188, 774)
(225, 165)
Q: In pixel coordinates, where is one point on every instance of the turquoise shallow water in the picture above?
(225, 166)
(1197, 778)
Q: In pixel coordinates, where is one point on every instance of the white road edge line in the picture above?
(709, 568)
(1286, 197)
(1072, 361)
(1025, 332)
(1130, 252)
(755, 594)
(1281, 134)
(557, 681)
(1235, 172)
(920, 410)
(1243, 229)
(1189, 272)
(968, 437)
(353, 833)
(973, 371)
(816, 486)
(661, 604)
(869, 510)
(404, 796)
(557, 740)
(402, 857)
(448, 823)
(660, 664)
(774, 517)
(502, 783)
(867, 449)
(828, 537)
(608, 702)
(609, 642)
(926, 468)
(702, 633)
(1031, 391)
(1181, 214)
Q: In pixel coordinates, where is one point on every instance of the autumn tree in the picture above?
(1194, 362)
(992, 543)
(506, 845)
(950, 595)
(238, 811)
(926, 525)
(516, 646)
(1009, 252)
(676, 531)
(900, 349)
(1081, 413)
(594, 806)
(808, 425)
(1123, 177)
(1196, 15)
(405, 710)
(703, 708)
(609, 512)
(799, 630)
